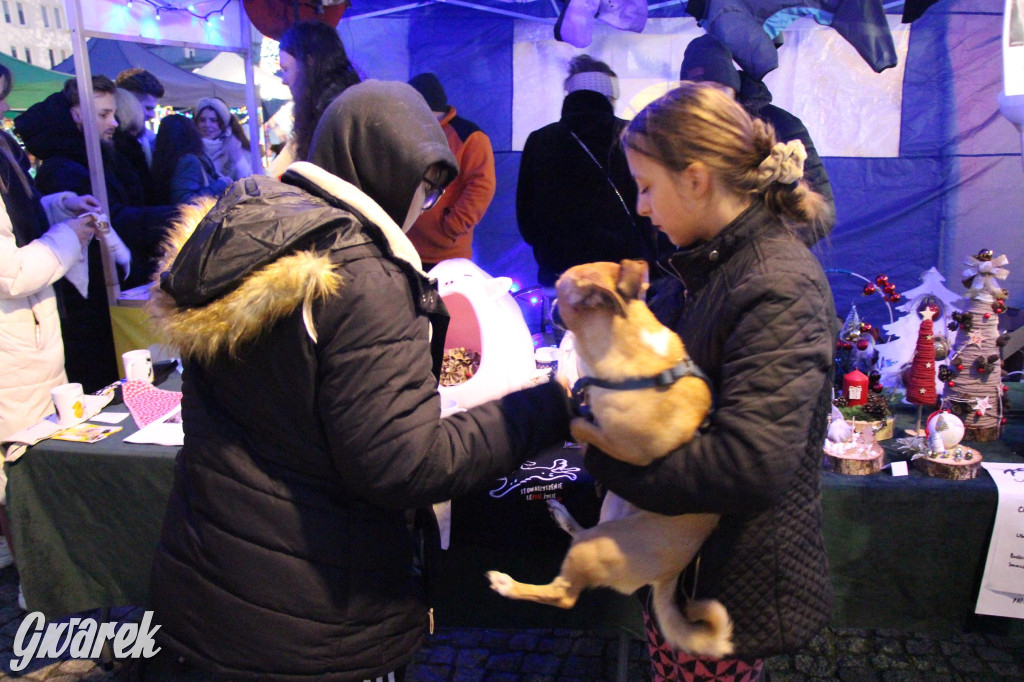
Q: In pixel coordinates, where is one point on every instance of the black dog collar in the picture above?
(685, 368)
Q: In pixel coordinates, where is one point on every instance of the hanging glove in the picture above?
(112, 242)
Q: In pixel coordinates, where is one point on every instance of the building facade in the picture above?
(35, 31)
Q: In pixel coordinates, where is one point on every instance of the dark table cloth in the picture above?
(906, 552)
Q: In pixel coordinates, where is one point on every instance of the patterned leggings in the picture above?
(670, 665)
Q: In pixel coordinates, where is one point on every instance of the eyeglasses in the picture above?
(434, 193)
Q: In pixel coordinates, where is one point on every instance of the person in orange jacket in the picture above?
(446, 230)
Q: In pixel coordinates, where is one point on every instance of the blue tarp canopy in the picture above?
(183, 88)
(949, 184)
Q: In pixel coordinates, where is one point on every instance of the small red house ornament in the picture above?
(855, 388)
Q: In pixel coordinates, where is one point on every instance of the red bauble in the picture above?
(862, 344)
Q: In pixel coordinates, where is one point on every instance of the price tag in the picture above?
(899, 468)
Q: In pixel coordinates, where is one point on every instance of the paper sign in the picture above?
(1002, 585)
(110, 417)
(899, 468)
(167, 430)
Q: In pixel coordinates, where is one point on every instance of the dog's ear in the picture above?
(633, 280)
(593, 295)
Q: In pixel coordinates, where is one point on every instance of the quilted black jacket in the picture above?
(757, 316)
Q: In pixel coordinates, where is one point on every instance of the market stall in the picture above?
(905, 553)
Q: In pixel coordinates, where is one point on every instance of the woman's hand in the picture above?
(84, 227)
(85, 203)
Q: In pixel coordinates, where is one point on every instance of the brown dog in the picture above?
(638, 419)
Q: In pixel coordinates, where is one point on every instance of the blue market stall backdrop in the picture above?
(924, 168)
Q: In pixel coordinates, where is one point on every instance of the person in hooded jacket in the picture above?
(708, 60)
(294, 542)
(575, 201)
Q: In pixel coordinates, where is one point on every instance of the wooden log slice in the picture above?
(981, 434)
(950, 469)
(860, 457)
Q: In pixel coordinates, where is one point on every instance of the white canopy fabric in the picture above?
(229, 66)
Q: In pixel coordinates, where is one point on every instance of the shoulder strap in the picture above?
(604, 172)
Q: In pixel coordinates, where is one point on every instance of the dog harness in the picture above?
(684, 368)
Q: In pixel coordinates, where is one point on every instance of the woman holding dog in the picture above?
(756, 314)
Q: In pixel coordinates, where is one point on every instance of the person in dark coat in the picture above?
(130, 143)
(52, 132)
(575, 201)
(758, 317)
(181, 160)
(297, 536)
(706, 59)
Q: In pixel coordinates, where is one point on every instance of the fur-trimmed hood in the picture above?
(234, 267)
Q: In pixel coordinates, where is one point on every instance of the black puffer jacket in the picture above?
(758, 318)
(565, 207)
(312, 429)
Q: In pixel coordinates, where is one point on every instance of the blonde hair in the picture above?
(698, 122)
(129, 114)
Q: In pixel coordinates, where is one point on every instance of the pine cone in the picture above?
(840, 401)
(877, 406)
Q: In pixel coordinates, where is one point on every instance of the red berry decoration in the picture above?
(889, 288)
(869, 289)
(881, 280)
(865, 326)
(896, 297)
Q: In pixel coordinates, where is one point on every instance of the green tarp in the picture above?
(31, 84)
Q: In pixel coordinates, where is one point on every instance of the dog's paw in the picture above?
(562, 517)
(501, 583)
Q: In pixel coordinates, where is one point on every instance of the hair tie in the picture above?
(785, 164)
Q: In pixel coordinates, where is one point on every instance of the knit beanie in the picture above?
(427, 85)
(217, 105)
(706, 59)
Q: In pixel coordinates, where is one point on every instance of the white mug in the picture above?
(67, 400)
(138, 365)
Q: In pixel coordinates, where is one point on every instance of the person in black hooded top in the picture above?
(314, 445)
(575, 201)
(708, 60)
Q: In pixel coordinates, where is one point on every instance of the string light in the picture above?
(163, 6)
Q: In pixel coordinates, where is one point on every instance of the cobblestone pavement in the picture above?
(477, 655)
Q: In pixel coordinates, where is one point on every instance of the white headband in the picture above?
(596, 81)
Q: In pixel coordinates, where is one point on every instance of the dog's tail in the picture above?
(705, 629)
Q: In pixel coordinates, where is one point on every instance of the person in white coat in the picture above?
(32, 258)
